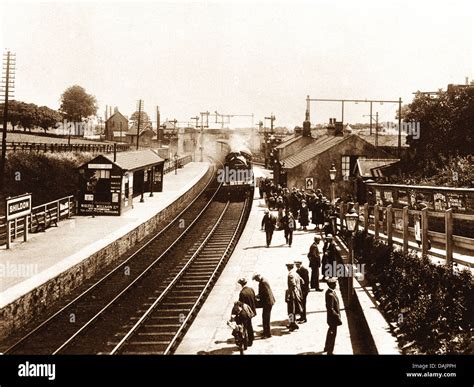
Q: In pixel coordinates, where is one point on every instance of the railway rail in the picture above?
(147, 302)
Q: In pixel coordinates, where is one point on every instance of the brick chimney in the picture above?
(335, 128)
(307, 125)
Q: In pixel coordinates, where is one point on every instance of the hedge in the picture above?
(431, 306)
(48, 176)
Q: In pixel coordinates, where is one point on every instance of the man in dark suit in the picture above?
(265, 300)
(247, 296)
(289, 225)
(315, 263)
(268, 224)
(304, 274)
(333, 315)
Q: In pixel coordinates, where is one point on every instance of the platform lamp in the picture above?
(272, 153)
(332, 177)
(175, 163)
(352, 220)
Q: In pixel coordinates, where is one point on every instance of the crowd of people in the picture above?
(305, 206)
(292, 206)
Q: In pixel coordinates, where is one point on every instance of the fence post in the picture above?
(405, 229)
(341, 216)
(357, 209)
(376, 221)
(58, 211)
(424, 231)
(448, 222)
(8, 234)
(389, 224)
(15, 228)
(25, 231)
(366, 217)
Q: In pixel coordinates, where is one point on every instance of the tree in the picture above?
(13, 112)
(145, 122)
(28, 115)
(77, 105)
(47, 118)
(446, 128)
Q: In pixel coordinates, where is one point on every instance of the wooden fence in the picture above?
(61, 147)
(171, 165)
(41, 217)
(399, 222)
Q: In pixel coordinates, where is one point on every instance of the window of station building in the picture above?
(348, 165)
(345, 165)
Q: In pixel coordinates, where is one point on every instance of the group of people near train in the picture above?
(300, 281)
(302, 203)
(296, 205)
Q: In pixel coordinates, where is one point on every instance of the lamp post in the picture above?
(332, 177)
(352, 219)
(175, 163)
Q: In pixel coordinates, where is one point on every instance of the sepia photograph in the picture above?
(216, 179)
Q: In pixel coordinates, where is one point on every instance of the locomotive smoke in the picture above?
(237, 141)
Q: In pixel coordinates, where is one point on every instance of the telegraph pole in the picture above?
(376, 125)
(139, 108)
(158, 125)
(206, 114)
(271, 118)
(8, 84)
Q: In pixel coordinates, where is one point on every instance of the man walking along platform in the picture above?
(268, 224)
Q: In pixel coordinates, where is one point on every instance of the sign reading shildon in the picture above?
(18, 207)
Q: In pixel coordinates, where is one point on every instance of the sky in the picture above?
(244, 57)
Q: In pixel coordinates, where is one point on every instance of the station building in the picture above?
(108, 183)
(307, 157)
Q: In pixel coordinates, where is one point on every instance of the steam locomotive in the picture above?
(237, 174)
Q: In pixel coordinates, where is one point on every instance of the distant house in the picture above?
(146, 136)
(116, 127)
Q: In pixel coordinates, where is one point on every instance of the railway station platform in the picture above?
(57, 258)
(209, 333)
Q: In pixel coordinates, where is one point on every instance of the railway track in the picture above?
(104, 318)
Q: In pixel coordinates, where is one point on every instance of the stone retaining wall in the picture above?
(29, 306)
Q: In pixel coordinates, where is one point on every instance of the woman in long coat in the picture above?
(304, 215)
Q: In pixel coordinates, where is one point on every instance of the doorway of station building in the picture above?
(138, 182)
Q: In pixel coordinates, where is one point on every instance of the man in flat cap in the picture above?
(265, 300)
(293, 296)
(333, 315)
(304, 274)
(247, 296)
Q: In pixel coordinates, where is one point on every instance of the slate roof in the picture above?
(317, 147)
(389, 140)
(134, 160)
(365, 166)
(288, 140)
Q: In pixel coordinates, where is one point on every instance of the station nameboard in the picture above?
(18, 207)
